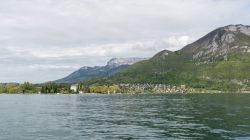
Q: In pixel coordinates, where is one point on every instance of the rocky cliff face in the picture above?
(220, 43)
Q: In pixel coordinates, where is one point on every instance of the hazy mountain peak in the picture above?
(85, 67)
(113, 66)
(123, 61)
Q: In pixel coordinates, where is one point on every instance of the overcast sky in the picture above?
(43, 40)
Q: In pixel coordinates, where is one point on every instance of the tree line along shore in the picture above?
(66, 88)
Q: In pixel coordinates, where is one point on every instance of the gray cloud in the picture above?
(43, 40)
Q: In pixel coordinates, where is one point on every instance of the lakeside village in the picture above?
(131, 88)
(56, 88)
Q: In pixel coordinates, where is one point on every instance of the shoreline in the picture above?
(133, 93)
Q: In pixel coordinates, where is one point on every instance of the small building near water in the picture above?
(74, 87)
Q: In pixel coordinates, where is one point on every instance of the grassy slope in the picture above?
(237, 67)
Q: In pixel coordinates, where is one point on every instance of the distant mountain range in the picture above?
(219, 60)
(113, 66)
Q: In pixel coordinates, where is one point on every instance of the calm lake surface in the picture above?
(154, 116)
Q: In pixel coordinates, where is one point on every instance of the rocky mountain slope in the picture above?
(113, 66)
(219, 60)
(220, 43)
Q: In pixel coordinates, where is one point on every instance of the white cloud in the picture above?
(142, 48)
(53, 67)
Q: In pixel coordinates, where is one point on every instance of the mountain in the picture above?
(220, 43)
(219, 60)
(113, 66)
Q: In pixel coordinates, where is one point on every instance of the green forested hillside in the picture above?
(230, 74)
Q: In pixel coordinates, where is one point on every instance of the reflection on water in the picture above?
(93, 116)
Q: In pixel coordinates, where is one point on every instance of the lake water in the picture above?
(95, 116)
